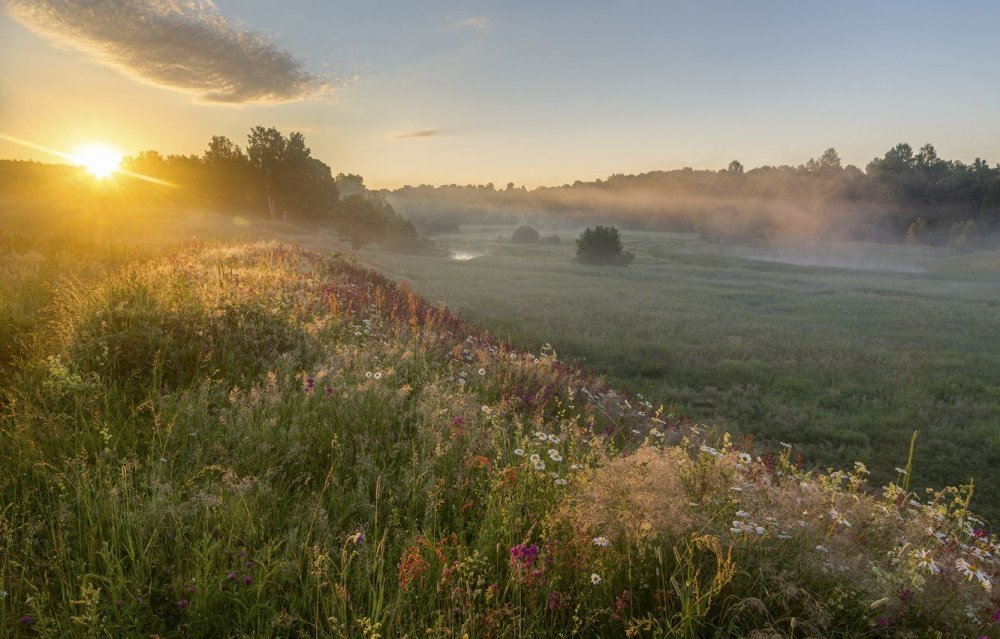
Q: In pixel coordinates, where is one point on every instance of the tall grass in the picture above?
(257, 440)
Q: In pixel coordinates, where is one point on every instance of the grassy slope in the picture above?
(262, 441)
(844, 364)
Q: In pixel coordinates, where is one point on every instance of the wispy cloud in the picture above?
(478, 23)
(187, 45)
(423, 133)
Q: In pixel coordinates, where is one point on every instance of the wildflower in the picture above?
(901, 471)
(247, 580)
(541, 436)
(539, 465)
(554, 455)
(595, 578)
(553, 439)
(231, 576)
(561, 482)
(482, 371)
(523, 555)
(519, 452)
(192, 589)
(534, 458)
(925, 561)
(745, 458)
(601, 542)
(760, 530)
(742, 514)
(183, 603)
(378, 375)
(357, 538)
(368, 374)
(838, 518)
(965, 568)
(822, 548)
(555, 601)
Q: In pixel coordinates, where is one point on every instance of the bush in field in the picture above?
(602, 245)
(525, 235)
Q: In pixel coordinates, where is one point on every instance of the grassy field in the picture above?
(236, 440)
(784, 345)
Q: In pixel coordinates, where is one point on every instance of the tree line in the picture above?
(277, 177)
(273, 176)
(902, 194)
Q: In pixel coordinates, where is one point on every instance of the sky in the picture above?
(535, 93)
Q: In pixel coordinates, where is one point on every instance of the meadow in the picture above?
(252, 438)
(842, 350)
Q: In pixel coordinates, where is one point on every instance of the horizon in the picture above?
(499, 92)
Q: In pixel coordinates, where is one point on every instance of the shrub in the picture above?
(525, 235)
(602, 245)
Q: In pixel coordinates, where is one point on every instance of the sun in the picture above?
(100, 159)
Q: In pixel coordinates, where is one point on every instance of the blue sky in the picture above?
(535, 93)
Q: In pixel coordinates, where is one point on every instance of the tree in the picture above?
(266, 149)
(525, 235)
(735, 168)
(602, 245)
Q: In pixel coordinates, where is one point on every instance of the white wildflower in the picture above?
(554, 455)
(595, 578)
(601, 542)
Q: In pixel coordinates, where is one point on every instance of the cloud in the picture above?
(186, 45)
(423, 133)
(479, 23)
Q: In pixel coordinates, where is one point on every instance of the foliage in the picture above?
(602, 245)
(525, 235)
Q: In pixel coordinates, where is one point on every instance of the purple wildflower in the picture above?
(247, 580)
(192, 589)
(523, 555)
(27, 620)
(882, 622)
(183, 603)
(231, 576)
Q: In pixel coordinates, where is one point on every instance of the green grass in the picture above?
(843, 363)
(257, 440)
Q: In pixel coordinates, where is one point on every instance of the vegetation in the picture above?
(819, 200)
(602, 245)
(257, 440)
(273, 177)
(840, 349)
(525, 235)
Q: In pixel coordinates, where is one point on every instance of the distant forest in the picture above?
(902, 195)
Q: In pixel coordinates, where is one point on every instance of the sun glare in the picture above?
(100, 159)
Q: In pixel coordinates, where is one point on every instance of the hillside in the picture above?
(261, 440)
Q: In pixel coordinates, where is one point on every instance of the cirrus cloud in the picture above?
(186, 45)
